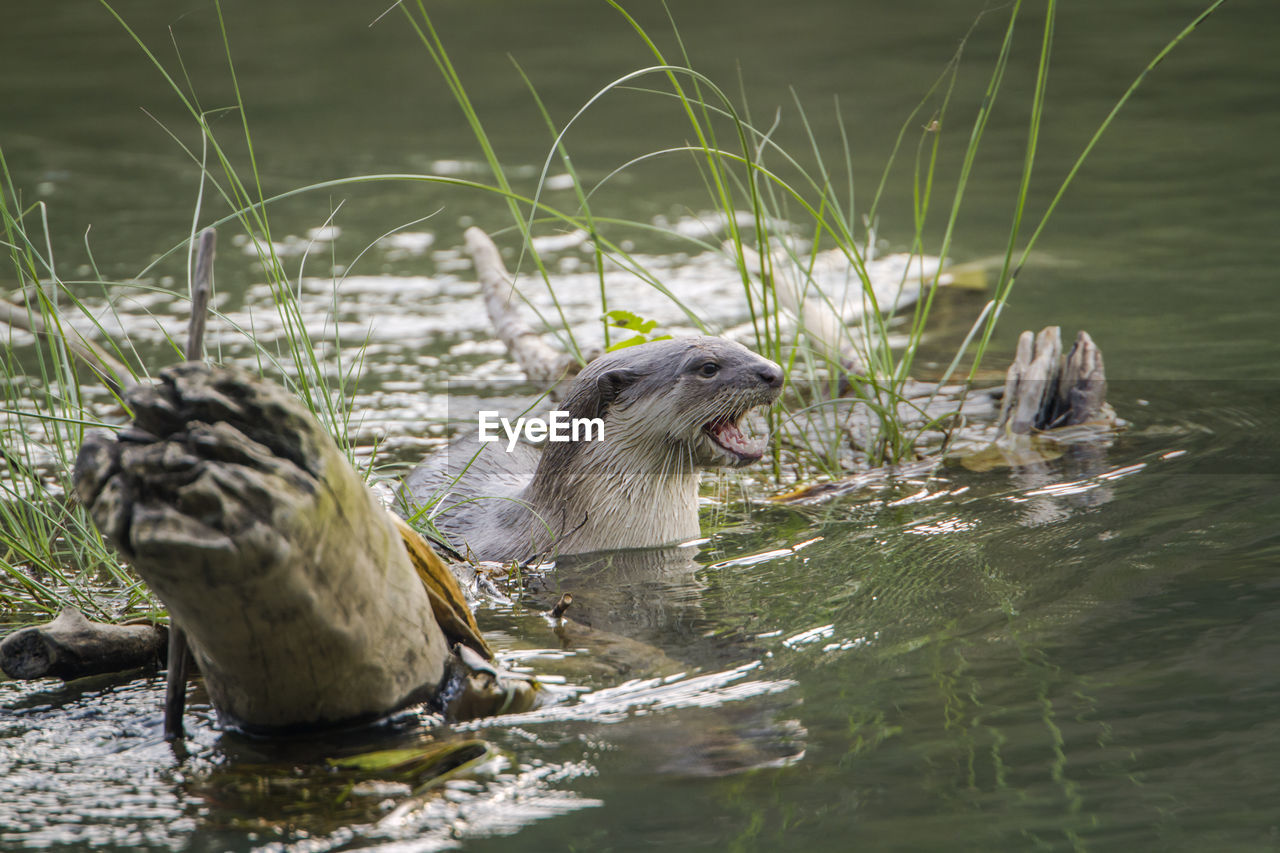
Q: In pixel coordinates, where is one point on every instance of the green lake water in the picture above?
(1077, 655)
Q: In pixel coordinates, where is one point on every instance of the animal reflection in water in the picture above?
(637, 633)
(670, 409)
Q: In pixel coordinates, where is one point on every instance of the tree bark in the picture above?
(28, 318)
(301, 604)
(540, 362)
(73, 647)
(1043, 390)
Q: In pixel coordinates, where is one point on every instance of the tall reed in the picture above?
(798, 207)
(799, 204)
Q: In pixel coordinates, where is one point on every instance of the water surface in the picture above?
(1075, 656)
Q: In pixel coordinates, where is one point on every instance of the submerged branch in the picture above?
(539, 361)
(112, 371)
(73, 647)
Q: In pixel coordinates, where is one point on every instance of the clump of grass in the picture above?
(799, 206)
(799, 209)
(51, 555)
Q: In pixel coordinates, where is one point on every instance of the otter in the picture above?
(670, 409)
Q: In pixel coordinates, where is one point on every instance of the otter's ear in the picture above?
(591, 398)
(609, 385)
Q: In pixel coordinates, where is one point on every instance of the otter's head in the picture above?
(680, 399)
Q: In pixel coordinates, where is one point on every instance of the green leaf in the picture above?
(631, 322)
(420, 762)
(638, 339)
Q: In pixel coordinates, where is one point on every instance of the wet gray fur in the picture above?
(638, 487)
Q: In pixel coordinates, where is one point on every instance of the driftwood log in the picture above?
(71, 646)
(29, 318)
(309, 604)
(1045, 391)
(301, 603)
(541, 363)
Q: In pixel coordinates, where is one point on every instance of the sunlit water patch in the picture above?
(84, 766)
(391, 343)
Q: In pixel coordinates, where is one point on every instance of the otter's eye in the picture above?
(708, 368)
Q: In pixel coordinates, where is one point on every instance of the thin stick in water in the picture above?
(562, 605)
(175, 687)
(201, 292)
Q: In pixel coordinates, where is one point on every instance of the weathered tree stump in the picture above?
(1045, 391)
(300, 602)
(73, 647)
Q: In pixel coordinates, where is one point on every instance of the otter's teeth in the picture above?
(728, 435)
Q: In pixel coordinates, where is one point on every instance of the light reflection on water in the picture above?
(1062, 666)
(366, 319)
(86, 765)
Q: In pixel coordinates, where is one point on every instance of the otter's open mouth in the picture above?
(727, 434)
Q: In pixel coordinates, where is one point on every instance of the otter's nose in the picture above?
(770, 374)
